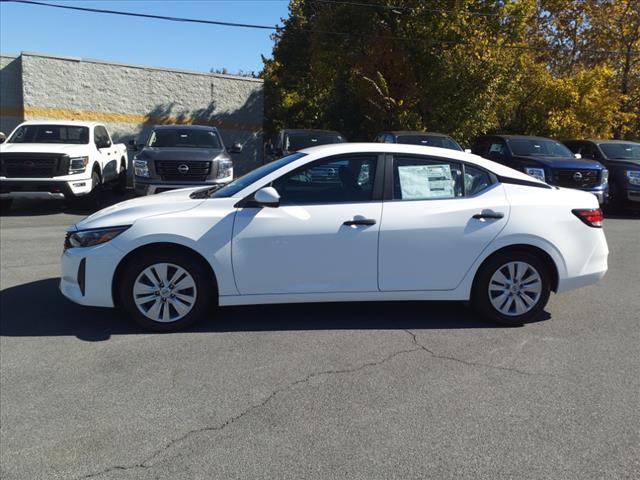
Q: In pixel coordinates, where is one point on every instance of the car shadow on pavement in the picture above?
(53, 315)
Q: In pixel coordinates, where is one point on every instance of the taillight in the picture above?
(590, 216)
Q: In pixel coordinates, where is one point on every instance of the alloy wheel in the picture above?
(515, 288)
(164, 292)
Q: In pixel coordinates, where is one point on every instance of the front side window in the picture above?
(184, 138)
(50, 134)
(335, 180)
(475, 180)
(421, 179)
(101, 137)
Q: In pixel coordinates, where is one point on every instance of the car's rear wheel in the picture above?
(512, 288)
(165, 291)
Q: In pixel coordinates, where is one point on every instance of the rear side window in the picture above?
(421, 179)
(475, 180)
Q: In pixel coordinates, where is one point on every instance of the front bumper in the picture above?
(86, 274)
(44, 188)
(144, 186)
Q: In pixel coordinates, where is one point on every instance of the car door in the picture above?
(108, 160)
(438, 217)
(323, 237)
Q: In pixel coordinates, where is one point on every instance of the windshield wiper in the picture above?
(205, 192)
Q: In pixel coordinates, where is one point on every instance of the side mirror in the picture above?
(577, 155)
(269, 150)
(132, 143)
(3, 137)
(100, 145)
(467, 150)
(267, 197)
(495, 156)
(236, 148)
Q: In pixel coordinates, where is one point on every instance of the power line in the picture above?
(432, 42)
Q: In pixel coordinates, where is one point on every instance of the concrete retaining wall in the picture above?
(130, 99)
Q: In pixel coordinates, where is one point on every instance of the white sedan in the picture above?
(343, 222)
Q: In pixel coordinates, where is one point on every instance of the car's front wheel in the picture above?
(166, 291)
(511, 288)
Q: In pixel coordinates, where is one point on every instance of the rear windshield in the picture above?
(299, 140)
(50, 134)
(621, 151)
(184, 138)
(538, 147)
(429, 141)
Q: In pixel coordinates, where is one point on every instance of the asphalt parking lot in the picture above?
(354, 391)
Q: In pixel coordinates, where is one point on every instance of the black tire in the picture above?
(5, 204)
(121, 185)
(481, 299)
(204, 287)
(92, 199)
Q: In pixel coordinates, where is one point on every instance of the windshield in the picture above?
(298, 140)
(621, 151)
(429, 141)
(184, 138)
(243, 182)
(539, 147)
(50, 134)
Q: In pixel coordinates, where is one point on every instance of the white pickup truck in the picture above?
(59, 159)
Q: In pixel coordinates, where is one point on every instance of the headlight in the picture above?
(633, 176)
(78, 164)
(140, 168)
(535, 172)
(89, 238)
(225, 169)
(605, 176)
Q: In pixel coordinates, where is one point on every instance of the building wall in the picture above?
(11, 112)
(130, 99)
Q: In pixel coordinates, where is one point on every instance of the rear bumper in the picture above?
(44, 188)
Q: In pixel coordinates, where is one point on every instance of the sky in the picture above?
(160, 43)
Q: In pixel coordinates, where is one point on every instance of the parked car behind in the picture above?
(179, 156)
(291, 140)
(622, 159)
(547, 160)
(428, 139)
(60, 159)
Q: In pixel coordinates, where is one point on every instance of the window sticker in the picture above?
(425, 181)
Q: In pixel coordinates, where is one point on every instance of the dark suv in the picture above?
(547, 160)
(291, 140)
(622, 159)
(428, 139)
(180, 156)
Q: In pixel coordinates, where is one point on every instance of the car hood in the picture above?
(126, 213)
(194, 154)
(562, 162)
(44, 148)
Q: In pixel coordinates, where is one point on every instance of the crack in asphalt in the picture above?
(148, 462)
(414, 339)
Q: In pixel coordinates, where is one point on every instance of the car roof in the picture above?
(78, 123)
(186, 126)
(604, 140)
(416, 133)
(309, 130)
(401, 148)
(517, 137)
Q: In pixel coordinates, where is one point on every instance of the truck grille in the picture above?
(33, 165)
(576, 178)
(183, 171)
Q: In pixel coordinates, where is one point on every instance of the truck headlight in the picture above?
(605, 176)
(633, 176)
(225, 169)
(535, 172)
(78, 164)
(89, 238)
(141, 168)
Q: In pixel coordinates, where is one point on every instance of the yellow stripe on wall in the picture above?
(29, 112)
